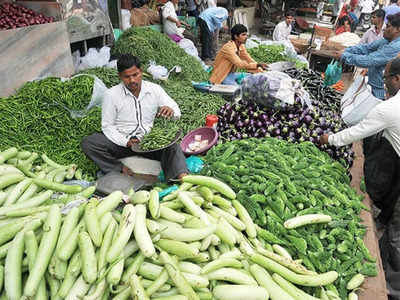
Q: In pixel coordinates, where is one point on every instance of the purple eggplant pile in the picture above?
(294, 123)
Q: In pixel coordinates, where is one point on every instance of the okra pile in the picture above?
(276, 180)
(198, 242)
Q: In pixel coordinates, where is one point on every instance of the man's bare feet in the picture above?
(126, 171)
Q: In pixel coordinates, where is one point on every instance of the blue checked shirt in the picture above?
(373, 56)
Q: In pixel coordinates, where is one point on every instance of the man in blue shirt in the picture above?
(210, 20)
(391, 9)
(375, 55)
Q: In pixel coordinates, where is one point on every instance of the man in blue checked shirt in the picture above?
(375, 55)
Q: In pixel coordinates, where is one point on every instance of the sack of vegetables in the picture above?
(273, 90)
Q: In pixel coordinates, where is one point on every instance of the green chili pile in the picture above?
(109, 76)
(38, 119)
(150, 45)
(276, 180)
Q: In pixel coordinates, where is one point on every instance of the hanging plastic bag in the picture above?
(333, 73)
(357, 102)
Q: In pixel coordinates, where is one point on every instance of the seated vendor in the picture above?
(128, 112)
(283, 29)
(233, 56)
(172, 27)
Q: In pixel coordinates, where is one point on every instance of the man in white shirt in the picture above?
(382, 160)
(376, 31)
(128, 112)
(172, 25)
(283, 29)
(384, 116)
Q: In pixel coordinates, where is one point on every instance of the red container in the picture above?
(211, 121)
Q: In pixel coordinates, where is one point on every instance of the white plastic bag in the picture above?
(95, 58)
(125, 19)
(357, 102)
(189, 47)
(158, 72)
(99, 89)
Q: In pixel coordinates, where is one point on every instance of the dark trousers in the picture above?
(194, 13)
(187, 34)
(106, 155)
(206, 38)
(389, 246)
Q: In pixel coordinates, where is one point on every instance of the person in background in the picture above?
(127, 114)
(375, 55)
(171, 24)
(210, 20)
(383, 119)
(192, 8)
(232, 56)
(392, 9)
(376, 31)
(283, 29)
(344, 25)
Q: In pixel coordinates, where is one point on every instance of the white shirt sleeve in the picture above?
(166, 100)
(373, 123)
(281, 32)
(108, 116)
(168, 10)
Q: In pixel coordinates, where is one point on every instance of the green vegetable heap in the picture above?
(271, 54)
(38, 119)
(150, 45)
(276, 180)
(163, 132)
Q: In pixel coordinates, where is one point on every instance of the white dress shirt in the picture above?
(282, 31)
(124, 116)
(384, 116)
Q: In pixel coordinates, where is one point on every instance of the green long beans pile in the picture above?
(148, 45)
(38, 119)
(162, 134)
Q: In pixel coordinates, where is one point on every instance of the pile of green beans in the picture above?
(162, 134)
(150, 45)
